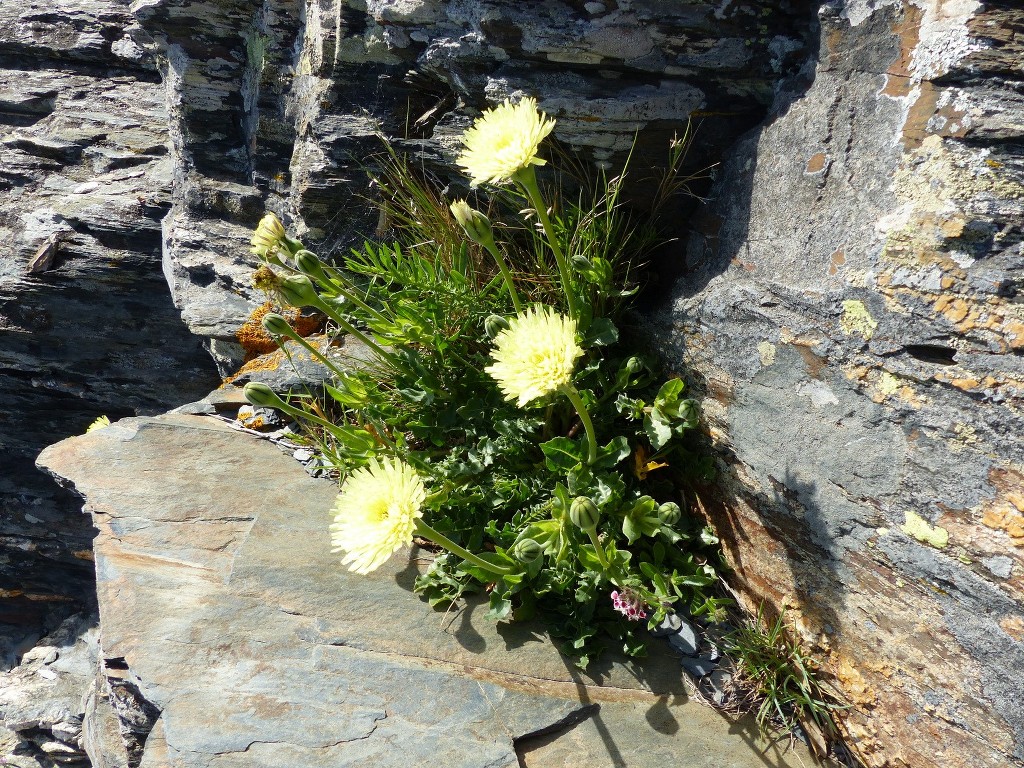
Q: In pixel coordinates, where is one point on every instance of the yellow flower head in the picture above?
(535, 355)
(268, 236)
(503, 141)
(100, 423)
(376, 513)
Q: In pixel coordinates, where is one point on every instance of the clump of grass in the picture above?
(784, 682)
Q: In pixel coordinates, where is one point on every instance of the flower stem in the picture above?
(350, 329)
(316, 353)
(527, 179)
(506, 274)
(592, 533)
(588, 425)
(440, 539)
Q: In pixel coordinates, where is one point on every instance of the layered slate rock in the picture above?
(283, 105)
(86, 323)
(227, 618)
(852, 317)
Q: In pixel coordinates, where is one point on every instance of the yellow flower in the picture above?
(535, 355)
(268, 236)
(504, 141)
(376, 513)
(100, 423)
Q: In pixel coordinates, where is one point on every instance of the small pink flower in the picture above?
(629, 604)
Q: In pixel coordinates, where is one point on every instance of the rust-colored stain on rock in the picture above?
(908, 30)
(816, 163)
(838, 259)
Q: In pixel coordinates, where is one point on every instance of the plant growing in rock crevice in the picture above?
(502, 417)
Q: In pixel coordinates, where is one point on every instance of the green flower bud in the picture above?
(261, 395)
(494, 325)
(527, 551)
(276, 325)
(669, 513)
(584, 513)
(582, 263)
(476, 224)
(297, 290)
(634, 365)
(309, 264)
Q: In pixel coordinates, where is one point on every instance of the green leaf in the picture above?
(354, 439)
(601, 333)
(587, 556)
(657, 430)
(350, 391)
(631, 530)
(670, 391)
(708, 537)
(642, 519)
(500, 607)
(421, 396)
(562, 454)
(611, 454)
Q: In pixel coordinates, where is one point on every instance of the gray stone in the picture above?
(41, 700)
(236, 627)
(686, 639)
(999, 565)
(86, 177)
(670, 624)
(698, 667)
(717, 686)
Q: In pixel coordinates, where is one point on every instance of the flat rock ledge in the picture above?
(230, 636)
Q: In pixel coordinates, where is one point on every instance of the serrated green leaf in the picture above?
(562, 454)
(611, 454)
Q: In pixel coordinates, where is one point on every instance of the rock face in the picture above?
(852, 312)
(283, 106)
(848, 305)
(227, 619)
(86, 325)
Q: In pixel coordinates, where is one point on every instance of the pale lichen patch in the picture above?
(857, 320)
(918, 528)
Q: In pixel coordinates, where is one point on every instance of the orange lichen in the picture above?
(256, 341)
(1005, 512)
(855, 687)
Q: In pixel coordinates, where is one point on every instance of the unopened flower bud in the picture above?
(261, 395)
(297, 290)
(309, 264)
(527, 551)
(669, 513)
(584, 513)
(634, 365)
(476, 224)
(276, 325)
(494, 325)
(268, 235)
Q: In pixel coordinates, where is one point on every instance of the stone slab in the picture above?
(219, 593)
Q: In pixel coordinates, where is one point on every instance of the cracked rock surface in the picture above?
(224, 611)
(852, 317)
